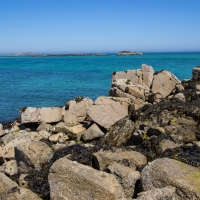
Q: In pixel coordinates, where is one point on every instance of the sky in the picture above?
(94, 26)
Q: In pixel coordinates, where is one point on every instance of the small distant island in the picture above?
(32, 54)
(128, 53)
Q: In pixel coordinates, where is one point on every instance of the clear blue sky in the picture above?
(73, 26)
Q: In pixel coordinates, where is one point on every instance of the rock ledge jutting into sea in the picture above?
(140, 142)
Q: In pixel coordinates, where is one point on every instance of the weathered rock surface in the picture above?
(168, 172)
(92, 133)
(131, 159)
(166, 193)
(71, 180)
(164, 83)
(106, 112)
(32, 155)
(41, 115)
(126, 176)
(75, 112)
(119, 133)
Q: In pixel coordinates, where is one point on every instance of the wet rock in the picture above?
(131, 159)
(168, 193)
(41, 115)
(92, 133)
(168, 172)
(32, 155)
(164, 82)
(75, 111)
(126, 176)
(106, 112)
(71, 180)
(119, 133)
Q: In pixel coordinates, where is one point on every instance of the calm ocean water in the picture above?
(51, 81)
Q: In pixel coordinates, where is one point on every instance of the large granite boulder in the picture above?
(75, 111)
(106, 112)
(131, 159)
(41, 115)
(32, 155)
(119, 133)
(164, 82)
(168, 172)
(71, 180)
(10, 190)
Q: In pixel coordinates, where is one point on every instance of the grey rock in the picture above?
(164, 82)
(71, 180)
(196, 73)
(44, 127)
(180, 97)
(32, 155)
(128, 158)
(126, 176)
(10, 190)
(168, 172)
(165, 193)
(41, 115)
(9, 167)
(119, 133)
(106, 112)
(91, 133)
(147, 75)
(76, 111)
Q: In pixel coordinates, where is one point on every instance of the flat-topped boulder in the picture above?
(41, 115)
(106, 112)
(71, 180)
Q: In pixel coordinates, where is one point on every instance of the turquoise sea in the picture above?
(51, 81)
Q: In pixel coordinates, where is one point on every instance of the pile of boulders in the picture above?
(139, 143)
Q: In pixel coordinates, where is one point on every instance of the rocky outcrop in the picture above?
(168, 172)
(41, 115)
(106, 112)
(71, 180)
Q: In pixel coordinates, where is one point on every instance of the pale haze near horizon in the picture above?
(80, 26)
